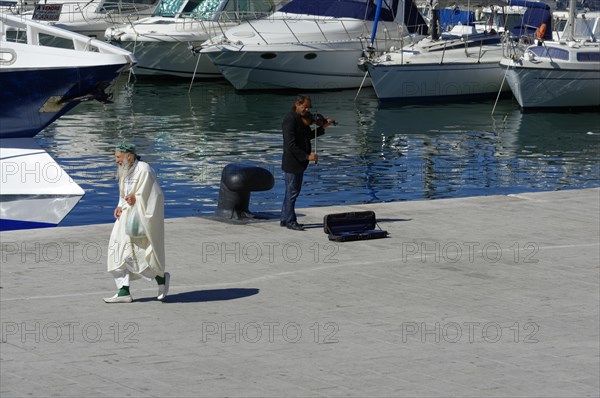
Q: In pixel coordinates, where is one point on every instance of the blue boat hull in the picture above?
(13, 225)
(32, 99)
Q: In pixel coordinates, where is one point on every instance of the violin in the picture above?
(316, 118)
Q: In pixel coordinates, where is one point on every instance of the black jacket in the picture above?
(296, 143)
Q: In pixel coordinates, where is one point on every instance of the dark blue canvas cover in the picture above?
(364, 10)
(358, 9)
(455, 16)
(537, 13)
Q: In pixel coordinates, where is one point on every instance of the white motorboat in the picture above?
(461, 68)
(36, 191)
(461, 64)
(39, 84)
(558, 74)
(164, 43)
(90, 18)
(311, 44)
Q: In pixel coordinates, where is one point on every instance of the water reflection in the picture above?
(375, 153)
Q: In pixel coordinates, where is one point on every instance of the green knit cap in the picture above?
(124, 147)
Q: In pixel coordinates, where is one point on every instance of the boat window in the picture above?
(585, 28)
(559, 24)
(55, 41)
(310, 56)
(17, 36)
(268, 55)
(588, 57)
(213, 9)
(204, 9)
(107, 6)
(169, 8)
(550, 52)
(247, 9)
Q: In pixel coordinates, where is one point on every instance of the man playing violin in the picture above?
(297, 153)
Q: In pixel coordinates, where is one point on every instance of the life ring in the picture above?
(541, 31)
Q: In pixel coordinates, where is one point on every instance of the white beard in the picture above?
(123, 169)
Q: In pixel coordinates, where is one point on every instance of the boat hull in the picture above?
(170, 58)
(36, 191)
(450, 72)
(41, 83)
(299, 51)
(554, 88)
(31, 99)
(306, 67)
(433, 82)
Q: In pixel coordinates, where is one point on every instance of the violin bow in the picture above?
(316, 127)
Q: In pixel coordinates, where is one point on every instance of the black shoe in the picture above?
(282, 223)
(295, 226)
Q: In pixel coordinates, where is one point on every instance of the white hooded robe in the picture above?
(140, 256)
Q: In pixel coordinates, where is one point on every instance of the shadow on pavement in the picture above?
(199, 296)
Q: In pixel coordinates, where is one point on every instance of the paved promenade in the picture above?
(488, 296)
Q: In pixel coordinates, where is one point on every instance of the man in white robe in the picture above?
(133, 255)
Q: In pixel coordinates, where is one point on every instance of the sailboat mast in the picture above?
(570, 31)
(376, 21)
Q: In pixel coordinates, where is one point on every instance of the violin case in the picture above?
(358, 225)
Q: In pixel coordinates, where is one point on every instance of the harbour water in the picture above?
(375, 154)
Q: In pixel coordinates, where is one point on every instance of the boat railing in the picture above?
(324, 30)
(14, 6)
(466, 47)
(18, 28)
(119, 13)
(214, 26)
(218, 25)
(514, 47)
(477, 42)
(114, 12)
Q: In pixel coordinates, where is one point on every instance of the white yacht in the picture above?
(164, 44)
(90, 18)
(558, 74)
(311, 44)
(460, 64)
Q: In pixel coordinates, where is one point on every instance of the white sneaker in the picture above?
(163, 290)
(118, 299)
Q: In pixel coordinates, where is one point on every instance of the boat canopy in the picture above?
(358, 9)
(529, 4)
(535, 16)
(455, 16)
(413, 19)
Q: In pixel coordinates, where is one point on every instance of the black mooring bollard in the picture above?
(237, 181)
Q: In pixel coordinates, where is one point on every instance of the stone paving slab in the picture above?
(484, 296)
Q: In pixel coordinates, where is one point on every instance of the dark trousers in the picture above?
(293, 185)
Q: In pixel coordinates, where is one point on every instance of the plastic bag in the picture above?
(133, 227)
